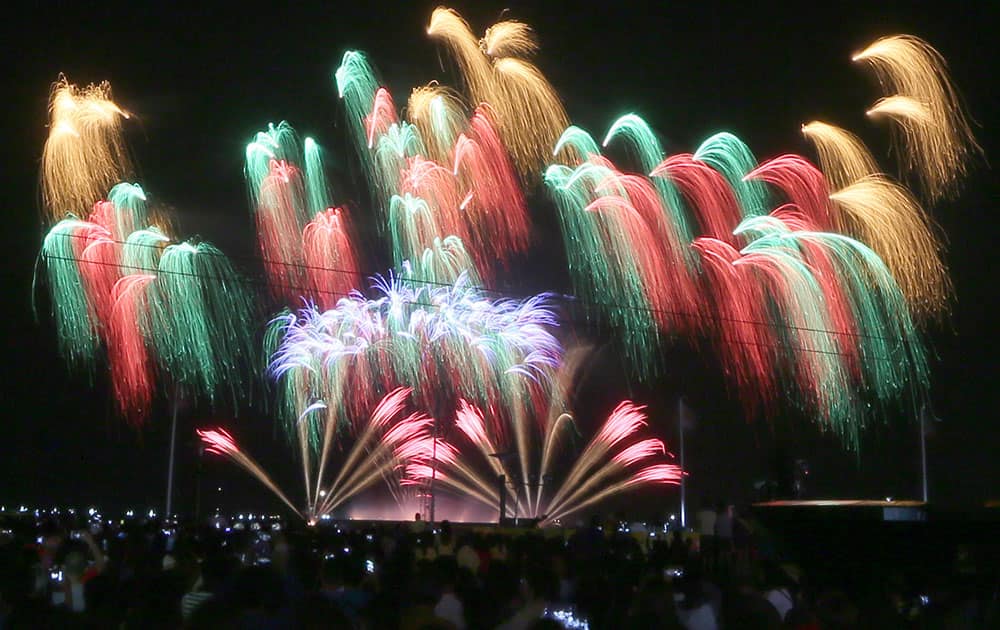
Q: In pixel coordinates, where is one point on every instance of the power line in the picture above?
(505, 294)
(265, 282)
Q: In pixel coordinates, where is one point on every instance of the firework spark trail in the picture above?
(439, 115)
(921, 98)
(85, 153)
(426, 458)
(443, 262)
(801, 268)
(141, 251)
(438, 188)
(391, 406)
(642, 450)
(887, 218)
(745, 343)
(624, 421)
(707, 192)
(198, 328)
(442, 220)
(497, 210)
(220, 442)
(381, 117)
(604, 460)
(664, 474)
(843, 157)
(384, 457)
(601, 273)
(129, 203)
(317, 188)
(356, 85)
(530, 115)
(733, 159)
(331, 265)
(791, 285)
(280, 202)
(76, 318)
(470, 421)
(437, 340)
(128, 356)
(98, 264)
(802, 184)
(576, 143)
(645, 146)
(304, 242)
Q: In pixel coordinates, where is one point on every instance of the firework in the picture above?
(199, 310)
(220, 442)
(921, 99)
(77, 324)
(530, 115)
(445, 342)
(305, 243)
(606, 466)
(385, 446)
(803, 185)
(128, 355)
(439, 116)
(331, 265)
(843, 157)
(887, 218)
(733, 159)
(85, 152)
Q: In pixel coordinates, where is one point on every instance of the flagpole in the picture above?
(170, 466)
(680, 429)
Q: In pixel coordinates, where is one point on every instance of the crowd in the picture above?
(147, 573)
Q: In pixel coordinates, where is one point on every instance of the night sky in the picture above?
(202, 78)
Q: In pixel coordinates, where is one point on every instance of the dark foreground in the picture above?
(778, 567)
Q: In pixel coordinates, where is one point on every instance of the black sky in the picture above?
(203, 77)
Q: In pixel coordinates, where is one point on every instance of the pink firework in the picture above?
(331, 264)
(707, 193)
(802, 183)
(382, 116)
(128, 356)
(282, 195)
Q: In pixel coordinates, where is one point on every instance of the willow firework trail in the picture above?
(885, 216)
(843, 157)
(932, 125)
(439, 115)
(199, 310)
(85, 153)
(530, 115)
(445, 342)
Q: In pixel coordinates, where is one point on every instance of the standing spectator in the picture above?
(449, 607)
(724, 533)
(214, 572)
(537, 590)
